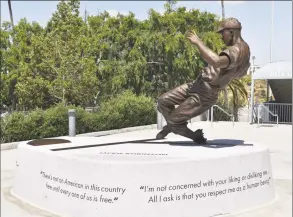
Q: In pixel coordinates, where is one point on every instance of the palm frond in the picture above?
(237, 84)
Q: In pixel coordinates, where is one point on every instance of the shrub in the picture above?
(125, 110)
(32, 124)
(19, 126)
(13, 127)
(128, 110)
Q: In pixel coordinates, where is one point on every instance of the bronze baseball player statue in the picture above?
(200, 95)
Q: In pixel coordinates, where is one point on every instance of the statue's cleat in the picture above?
(198, 137)
(163, 133)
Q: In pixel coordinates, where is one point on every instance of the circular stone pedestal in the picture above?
(100, 177)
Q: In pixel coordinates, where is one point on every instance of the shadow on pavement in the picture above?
(218, 143)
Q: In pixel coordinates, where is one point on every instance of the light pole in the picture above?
(252, 90)
(10, 12)
(253, 68)
(271, 48)
(272, 33)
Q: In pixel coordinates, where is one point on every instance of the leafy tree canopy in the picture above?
(80, 61)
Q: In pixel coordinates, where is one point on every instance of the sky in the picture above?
(255, 17)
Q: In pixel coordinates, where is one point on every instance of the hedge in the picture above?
(125, 110)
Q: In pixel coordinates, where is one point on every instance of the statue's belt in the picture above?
(201, 86)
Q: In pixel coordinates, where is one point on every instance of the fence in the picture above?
(283, 110)
(222, 110)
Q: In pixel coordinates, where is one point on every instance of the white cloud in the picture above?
(161, 11)
(180, 3)
(114, 13)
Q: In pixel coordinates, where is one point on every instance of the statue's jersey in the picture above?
(239, 56)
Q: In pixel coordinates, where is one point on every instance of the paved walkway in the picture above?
(278, 139)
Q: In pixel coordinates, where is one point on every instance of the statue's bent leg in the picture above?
(166, 105)
(168, 100)
(191, 107)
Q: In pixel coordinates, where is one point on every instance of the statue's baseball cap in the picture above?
(229, 23)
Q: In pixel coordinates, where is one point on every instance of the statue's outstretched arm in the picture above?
(212, 58)
(208, 55)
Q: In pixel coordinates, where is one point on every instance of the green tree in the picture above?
(18, 58)
(5, 43)
(71, 61)
(67, 49)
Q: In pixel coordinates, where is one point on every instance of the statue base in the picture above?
(101, 177)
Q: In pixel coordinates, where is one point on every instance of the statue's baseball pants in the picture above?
(192, 99)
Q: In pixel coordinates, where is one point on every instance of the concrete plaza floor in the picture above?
(278, 139)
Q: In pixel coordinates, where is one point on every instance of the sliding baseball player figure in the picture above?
(200, 95)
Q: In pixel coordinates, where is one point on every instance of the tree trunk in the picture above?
(13, 97)
(225, 89)
(170, 69)
(10, 12)
(223, 9)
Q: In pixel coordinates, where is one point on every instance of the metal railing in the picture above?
(283, 110)
(259, 116)
(212, 114)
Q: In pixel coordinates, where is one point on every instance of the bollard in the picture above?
(159, 121)
(212, 115)
(71, 122)
(159, 118)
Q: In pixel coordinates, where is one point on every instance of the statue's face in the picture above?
(227, 36)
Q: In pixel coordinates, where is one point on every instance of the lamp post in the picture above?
(272, 33)
(271, 48)
(252, 90)
(253, 68)
(10, 12)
